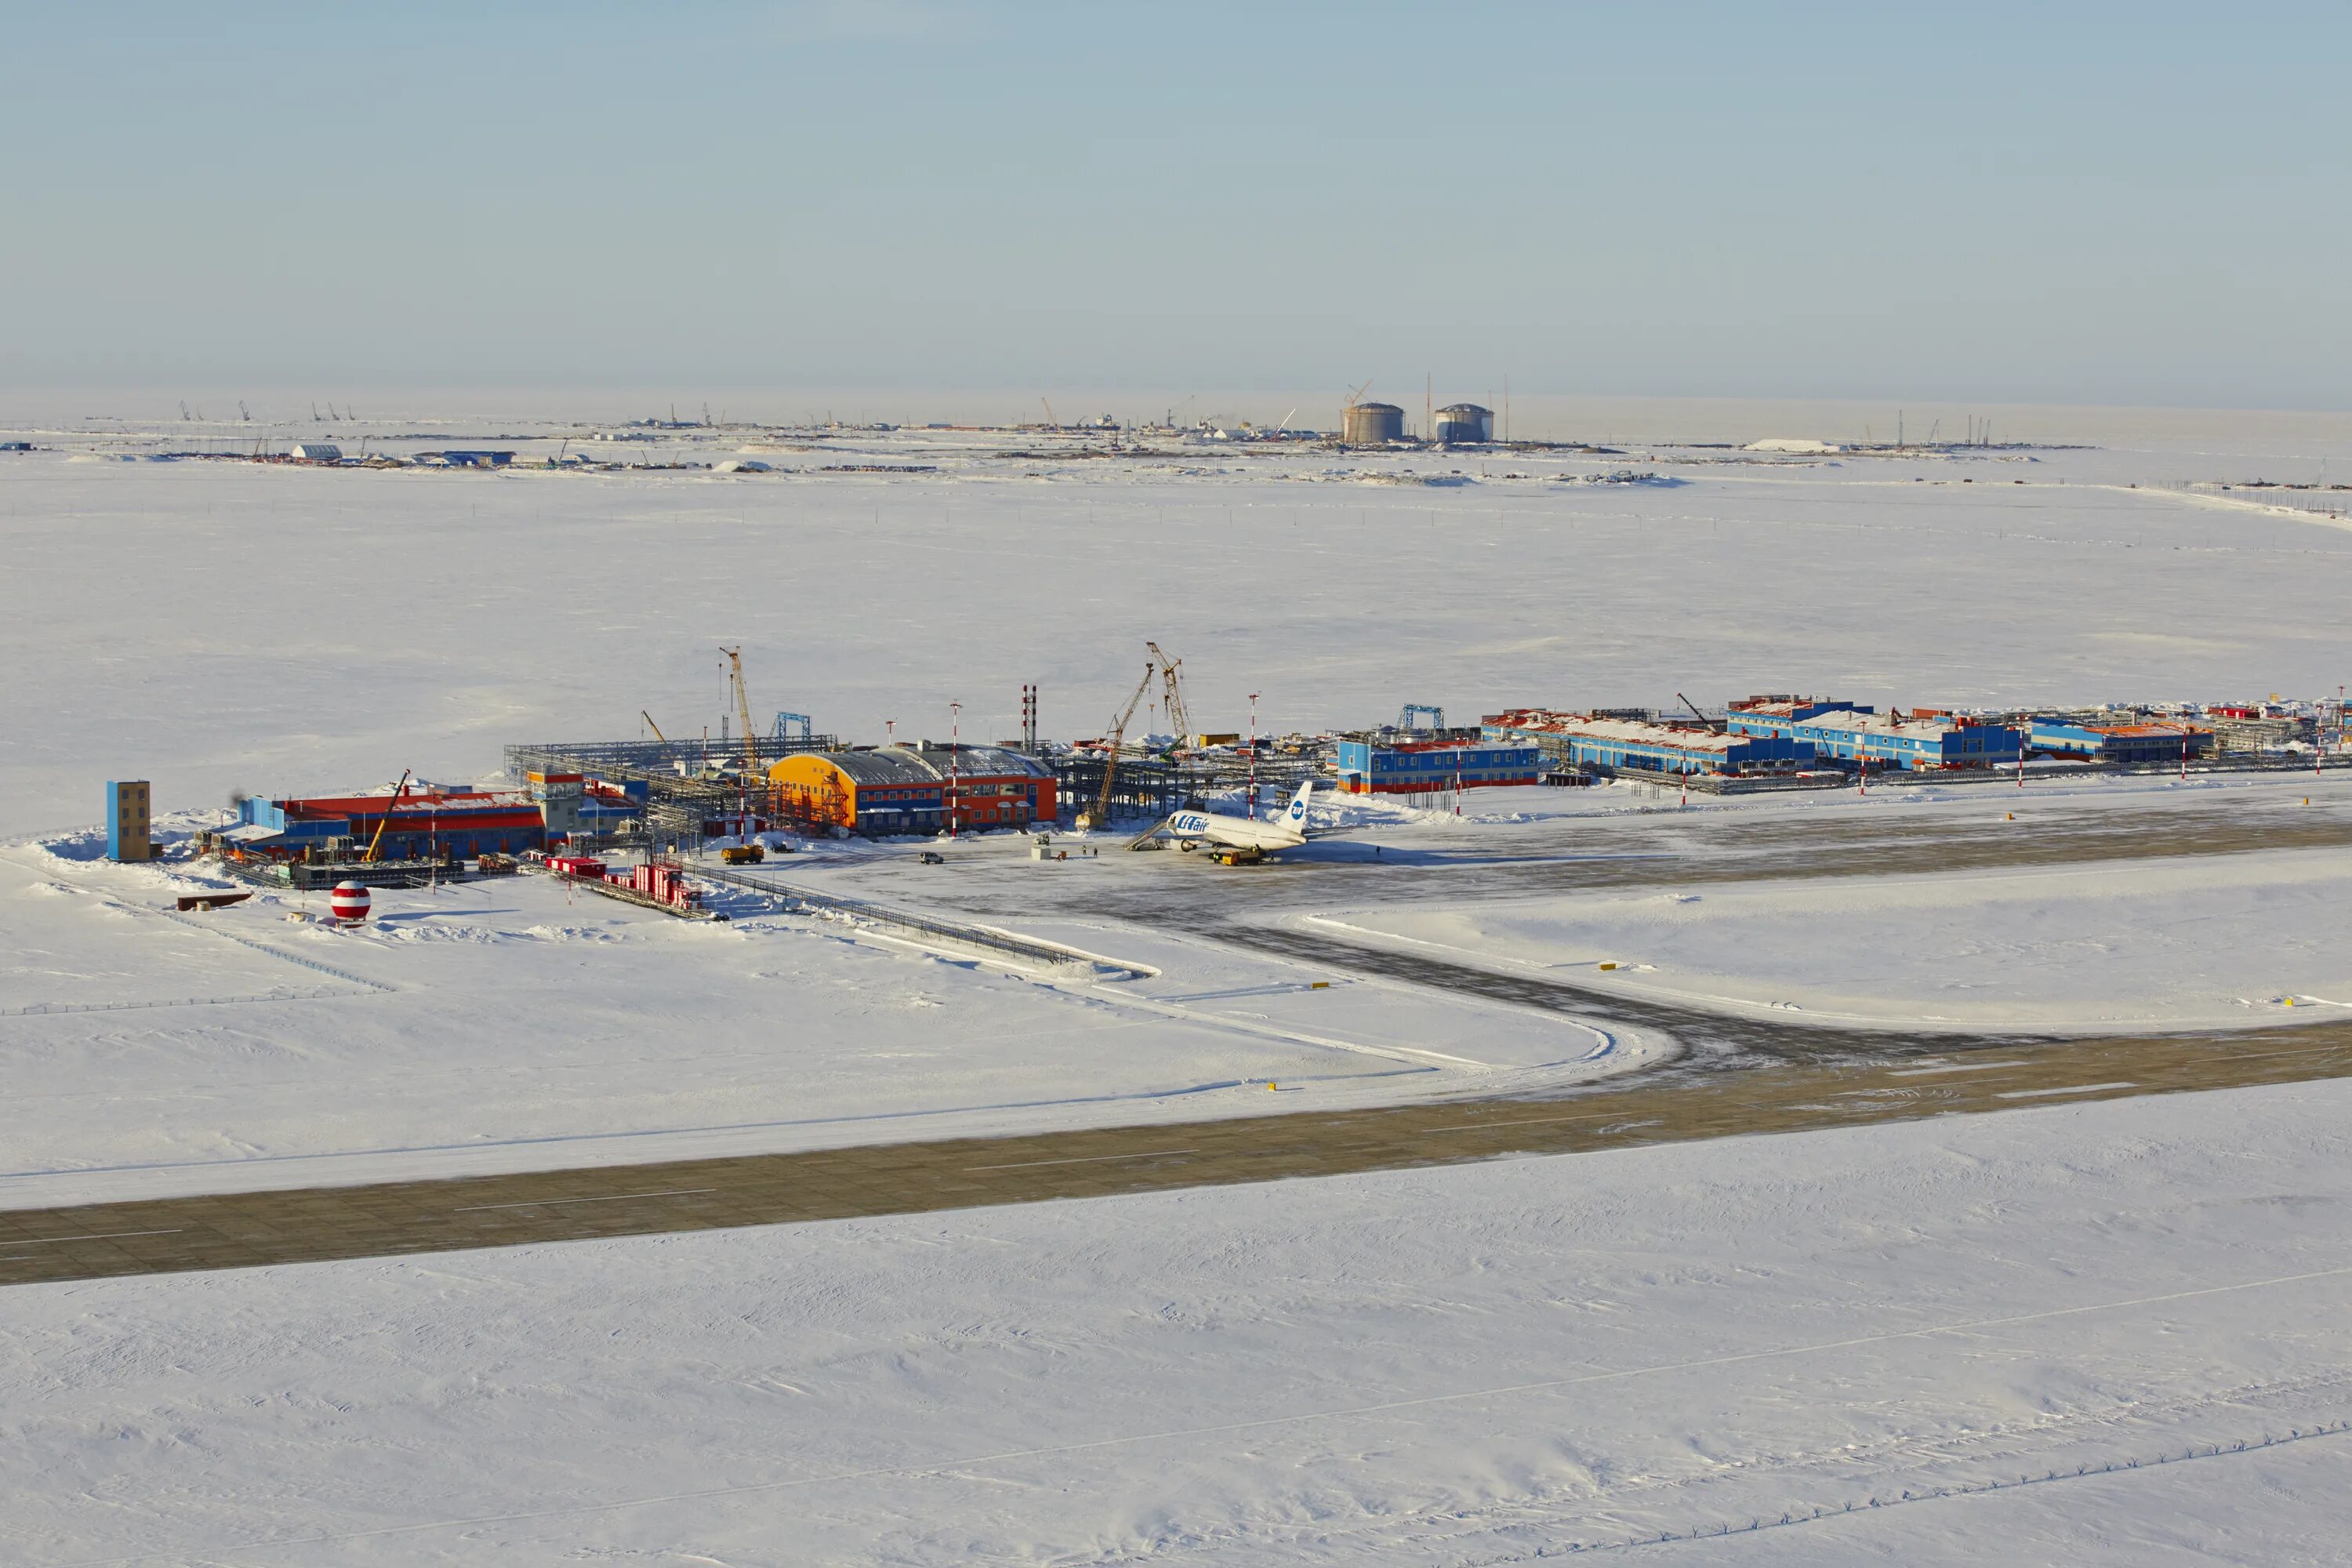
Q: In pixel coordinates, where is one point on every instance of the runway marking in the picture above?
(609, 1198)
(101, 1236)
(1084, 1160)
(2077, 1088)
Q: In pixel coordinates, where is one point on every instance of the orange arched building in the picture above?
(912, 789)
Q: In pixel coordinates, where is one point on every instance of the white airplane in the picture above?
(1237, 840)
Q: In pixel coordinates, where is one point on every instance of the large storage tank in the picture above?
(1460, 424)
(1371, 424)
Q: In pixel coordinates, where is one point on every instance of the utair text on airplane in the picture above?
(1238, 840)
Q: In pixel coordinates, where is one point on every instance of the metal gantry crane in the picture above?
(1101, 812)
(1172, 694)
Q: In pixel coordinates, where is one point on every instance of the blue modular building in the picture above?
(1853, 735)
(1426, 767)
(1626, 744)
(2120, 743)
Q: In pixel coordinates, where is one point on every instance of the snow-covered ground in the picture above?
(1451, 1367)
(517, 1024)
(1469, 1365)
(216, 626)
(2177, 943)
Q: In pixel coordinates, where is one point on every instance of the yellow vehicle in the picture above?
(742, 855)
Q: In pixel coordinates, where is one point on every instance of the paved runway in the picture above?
(398, 1218)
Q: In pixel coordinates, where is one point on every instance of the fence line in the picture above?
(276, 952)
(45, 1009)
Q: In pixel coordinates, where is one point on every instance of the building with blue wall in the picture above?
(1574, 741)
(1428, 767)
(1884, 740)
(2121, 743)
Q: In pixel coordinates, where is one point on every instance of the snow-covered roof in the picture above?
(1879, 723)
(985, 761)
(890, 766)
(1625, 729)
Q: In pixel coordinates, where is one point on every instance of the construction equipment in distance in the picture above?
(653, 727)
(1101, 812)
(1714, 726)
(1416, 710)
(742, 855)
(751, 769)
(786, 722)
(377, 842)
(1179, 722)
(743, 712)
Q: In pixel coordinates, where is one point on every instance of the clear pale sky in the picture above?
(2088, 203)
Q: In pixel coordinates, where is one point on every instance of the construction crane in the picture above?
(743, 713)
(1409, 719)
(1702, 718)
(1101, 812)
(1051, 423)
(385, 821)
(750, 739)
(653, 727)
(1172, 695)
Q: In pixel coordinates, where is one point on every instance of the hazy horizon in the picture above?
(2098, 206)
(2282, 433)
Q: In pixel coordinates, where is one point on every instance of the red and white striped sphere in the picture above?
(349, 901)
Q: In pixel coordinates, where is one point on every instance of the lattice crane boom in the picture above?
(1173, 693)
(1101, 812)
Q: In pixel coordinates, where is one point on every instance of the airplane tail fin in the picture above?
(1294, 816)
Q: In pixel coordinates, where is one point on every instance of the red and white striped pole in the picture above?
(1253, 756)
(955, 762)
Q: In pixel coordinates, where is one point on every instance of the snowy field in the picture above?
(2178, 944)
(223, 625)
(1471, 1365)
(1456, 1366)
(514, 1025)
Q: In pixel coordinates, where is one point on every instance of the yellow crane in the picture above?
(653, 727)
(385, 821)
(1101, 812)
(1172, 696)
(742, 710)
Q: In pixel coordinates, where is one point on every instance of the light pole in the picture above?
(955, 762)
(1253, 781)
